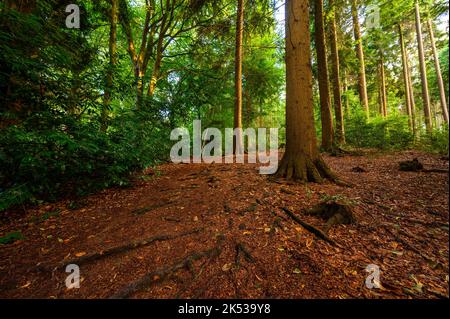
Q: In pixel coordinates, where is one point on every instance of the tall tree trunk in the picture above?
(423, 72)
(411, 94)
(380, 93)
(383, 86)
(238, 142)
(112, 64)
(345, 91)
(360, 54)
(405, 77)
(438, 72)
(324, 90)
(301, 159)
(337, 100)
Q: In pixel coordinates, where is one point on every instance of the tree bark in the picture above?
(345, 91)
(383, 86)
(360, 54)
(423, 72)
(337, 100)
(324, 90)
(438, 72)
(301, 160)
(405, 77)
(237, 140)
(411, 94)
(112, 63)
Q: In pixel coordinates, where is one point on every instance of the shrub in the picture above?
(51, 155)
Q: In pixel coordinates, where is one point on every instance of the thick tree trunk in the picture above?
(238, 142)
(337, 100)
(301, 160)
(423, 72)
(405, 77)
(360, 54)
(324, 90)
(112, 64)
(438, 73)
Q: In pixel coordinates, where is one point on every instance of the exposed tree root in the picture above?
(320, 234)
(242, 249)
(416, 166)
(118, 249)
(407, 245)
(161, 274)
(333, 212)
(435, 170)
(411, 166)
(304, 169)
(143, 210)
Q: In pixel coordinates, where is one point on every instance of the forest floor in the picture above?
(219, 231)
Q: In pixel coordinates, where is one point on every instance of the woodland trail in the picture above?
(219, 231)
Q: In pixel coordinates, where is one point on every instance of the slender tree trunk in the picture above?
(380, 93)
(438, 73)
(411, 94)
(324, 90)
(337, 100)
(383, 86)
(238, 142)
(360, 54)
(423, 72)
(345, 91)
(112, 64)
(301, 159)
(139, 76)
(405, 77)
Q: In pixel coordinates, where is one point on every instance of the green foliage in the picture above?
(9, 238)
(386, 134)
(50, 155)
(436, 142)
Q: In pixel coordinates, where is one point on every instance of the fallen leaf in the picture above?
(80, 254)
(226, 267)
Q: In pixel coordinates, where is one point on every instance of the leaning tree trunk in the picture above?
(237, 140)
(438, 72)
(339, 137)
(112, 63)
(405, 78)
(423, 72)
(324, 90)
(301, 160)
(360, 54)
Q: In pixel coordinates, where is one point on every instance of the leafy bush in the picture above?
(382, 133)
(437, 142)
(51, 155)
